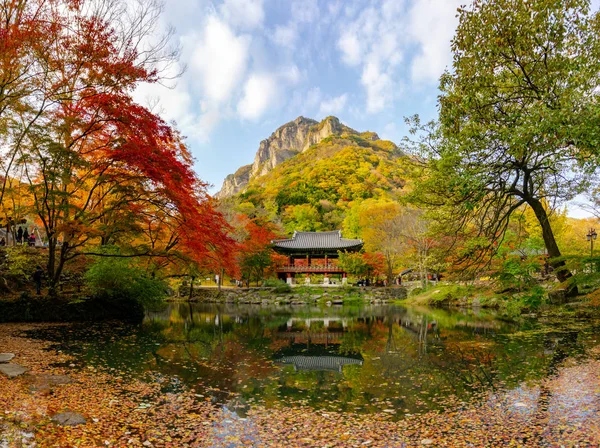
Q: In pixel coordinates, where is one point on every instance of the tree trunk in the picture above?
(390, 269)
(51, 266)
(560, 269)
(191, 287)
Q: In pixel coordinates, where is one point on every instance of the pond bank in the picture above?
(482, 295)
(32, 308)
(299, 295)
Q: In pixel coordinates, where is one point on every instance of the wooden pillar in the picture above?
(326, 260)
(291, 260)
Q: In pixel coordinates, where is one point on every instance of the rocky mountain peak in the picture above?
(288, 140)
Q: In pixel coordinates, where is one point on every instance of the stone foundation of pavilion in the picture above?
(314, 253)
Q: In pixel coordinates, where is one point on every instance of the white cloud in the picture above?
(291, 74)
(220, 58)
(176, 104)
(260, 93)
(432, 24)
(245, 14)
(334, 9)
(304, 15)
(285, 35)
(333, 106)
(236, 73)
(374, 41)
(394, 8)
(304, 102)
(305, 10)
(379, 85)
(205, 125)
(377, 39)
(350, 46)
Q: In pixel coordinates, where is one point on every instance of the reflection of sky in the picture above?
(571, 398)
(231, 429)
(521, 400)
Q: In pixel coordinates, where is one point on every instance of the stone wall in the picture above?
(296, 296)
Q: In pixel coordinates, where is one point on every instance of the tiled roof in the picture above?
(317, 240)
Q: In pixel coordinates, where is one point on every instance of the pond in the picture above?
(359, 359)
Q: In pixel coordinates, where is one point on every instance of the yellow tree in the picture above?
(383, 230)
(573, 240)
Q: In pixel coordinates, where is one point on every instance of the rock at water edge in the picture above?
(12, 370)
(69, 419)
(6, 357)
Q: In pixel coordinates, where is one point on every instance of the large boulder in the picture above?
(46, 382)
(557, 296)
(69, 419)
(6, 357)
(12, 370)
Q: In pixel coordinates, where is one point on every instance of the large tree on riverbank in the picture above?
(519, 117)
(102, 169)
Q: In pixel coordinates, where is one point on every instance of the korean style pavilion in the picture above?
(314, 253)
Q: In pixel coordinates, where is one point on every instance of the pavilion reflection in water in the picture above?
(333, 363)
(314, 345)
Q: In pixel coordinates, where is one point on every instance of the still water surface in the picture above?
(365, 359)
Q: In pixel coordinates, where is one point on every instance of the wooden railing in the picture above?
(313, 268)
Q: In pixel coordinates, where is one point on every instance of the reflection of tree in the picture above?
(561, 345)
(469, 366)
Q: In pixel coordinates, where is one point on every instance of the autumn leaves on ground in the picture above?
(562, 410)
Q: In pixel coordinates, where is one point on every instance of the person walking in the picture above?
(19, 235)
(26, 237)
(37, 278)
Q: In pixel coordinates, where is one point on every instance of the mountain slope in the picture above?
(287, 141)
(317, 188)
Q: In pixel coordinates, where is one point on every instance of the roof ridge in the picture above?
(322, 231)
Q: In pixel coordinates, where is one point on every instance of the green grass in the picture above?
(445, 294)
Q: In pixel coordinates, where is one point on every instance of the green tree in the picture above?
(304, 217)
(518, 116)
(353, 263)
(122, 279)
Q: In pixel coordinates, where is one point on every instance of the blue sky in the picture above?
(253, 65)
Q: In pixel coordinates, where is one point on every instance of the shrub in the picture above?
(279, 286)
(20, 263)
(113, 279)
(516, 274)
(535, 297)
(416, 291)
